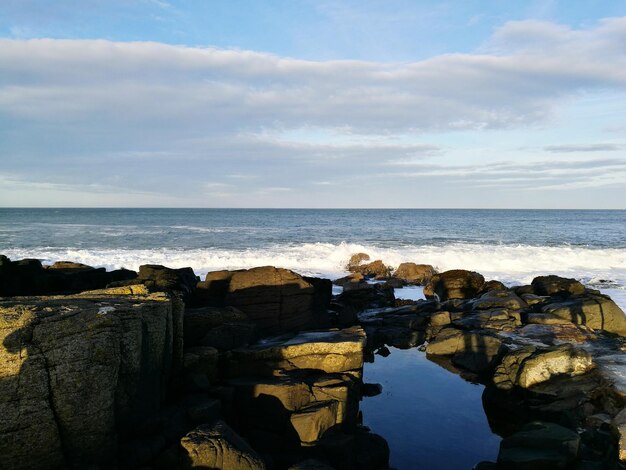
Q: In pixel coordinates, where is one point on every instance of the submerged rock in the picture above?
(539, 446)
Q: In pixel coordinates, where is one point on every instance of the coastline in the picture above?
(295, 397)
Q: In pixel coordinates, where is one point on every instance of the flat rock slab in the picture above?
(328, 351)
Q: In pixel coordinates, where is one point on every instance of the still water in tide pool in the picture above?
(431, 418)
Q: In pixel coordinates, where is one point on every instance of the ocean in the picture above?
(512, 246)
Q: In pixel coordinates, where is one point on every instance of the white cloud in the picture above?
(164, 119)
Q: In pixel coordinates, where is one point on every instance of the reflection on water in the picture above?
(431, 418)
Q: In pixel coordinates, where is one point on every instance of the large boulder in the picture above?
(411, 273)
(595, 311)
(555, 285)
(454, 284)
(77, 373)
(530, 365)
(217, 446)
(275, 299)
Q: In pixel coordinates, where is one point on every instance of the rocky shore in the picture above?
(262, 368)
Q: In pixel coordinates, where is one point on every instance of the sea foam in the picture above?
(507, 263)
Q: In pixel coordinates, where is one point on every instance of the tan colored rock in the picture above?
(311, 422)
(472, 350)
(595, 311)
(70, 265)
(342, 389)
(440, 318)
(356, 260)
(78, 371)
(137, 289)
(217, 446)
(412, 273)
(328, 351)
(529, 366)
(376, 269)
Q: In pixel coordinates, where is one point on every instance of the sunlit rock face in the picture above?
(78, 372)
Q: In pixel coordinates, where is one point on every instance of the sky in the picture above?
(303, 103)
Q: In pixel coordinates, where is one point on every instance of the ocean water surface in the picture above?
(512, 246)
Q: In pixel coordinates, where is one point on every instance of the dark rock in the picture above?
(310, 464)
(371, 390)
(29, 277)
(223, 328)
(370, 296)
(372, 451)
(395, 283)
(493, 285)
(276, 300)
(555, 285)
(538, 446)
(455, 284)
(417, 274)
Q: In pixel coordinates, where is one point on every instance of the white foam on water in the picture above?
(511, 264)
